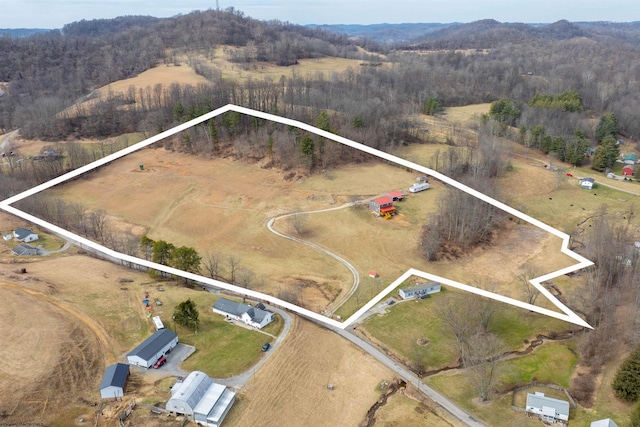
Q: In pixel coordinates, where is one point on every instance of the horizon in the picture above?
(54, 14)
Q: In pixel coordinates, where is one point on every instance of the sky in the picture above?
(56, 13)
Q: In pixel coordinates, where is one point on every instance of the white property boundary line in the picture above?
(566, 315)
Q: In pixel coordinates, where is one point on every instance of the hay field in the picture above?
(222, 206)
(291, 388)
(164, 74)
(260, 70)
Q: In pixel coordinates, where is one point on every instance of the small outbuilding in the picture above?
(587, 183)
(382, 206)
(547, 408)
(628, 170)
(420, 290)
(396, 196)
(153, 348)
(604, 423)
(25, 235)
(24, 250)
(256, 316)
(114, 380)
(201, 400)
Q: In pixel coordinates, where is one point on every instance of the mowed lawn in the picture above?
(552, 362)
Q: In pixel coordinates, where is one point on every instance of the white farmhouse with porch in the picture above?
(25, 235)
(256, 316)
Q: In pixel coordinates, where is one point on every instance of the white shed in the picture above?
(153, 348)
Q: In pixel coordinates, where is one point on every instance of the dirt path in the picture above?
(84, 319)
(333, 306)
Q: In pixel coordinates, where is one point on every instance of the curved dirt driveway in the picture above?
(356, 277)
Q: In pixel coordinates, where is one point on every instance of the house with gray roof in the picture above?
(604, 423)
(256, 316)
(24, 250)
(25, 235)
(427, 288)
(201, 400)
(114, 380)
(547, 408)
(153, 348)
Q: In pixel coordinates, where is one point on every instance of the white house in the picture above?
(604, 423)
(25, 235)
(587, 183)
(113, 381)
(427, 288)
(256, 316)
(201, 400)
(153, 348)
(548, 408)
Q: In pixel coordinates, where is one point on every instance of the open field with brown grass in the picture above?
(222, 206)
(291, 388)
(261, 70)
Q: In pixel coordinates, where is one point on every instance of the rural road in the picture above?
(356, 277)
(456, 411)
(8, 139)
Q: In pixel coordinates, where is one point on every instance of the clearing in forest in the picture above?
(565, 314)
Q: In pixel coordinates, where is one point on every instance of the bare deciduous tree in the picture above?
(530, 292)
(234, 265)
(482, 359)
(211, 265)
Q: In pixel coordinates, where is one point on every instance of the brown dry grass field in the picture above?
(222, 206)
(261, 70)
(291, 388)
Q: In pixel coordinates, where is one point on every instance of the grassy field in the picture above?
(541, 364)
(406, 323)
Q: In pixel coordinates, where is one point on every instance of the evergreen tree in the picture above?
(626, 383)
(606, 154)
(186, 314)
(608, 126)
(432, 106)
(162, 252)
(185, 259)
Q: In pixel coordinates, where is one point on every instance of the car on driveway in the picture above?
(160, 362)
(266, 346)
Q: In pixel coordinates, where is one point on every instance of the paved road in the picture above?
(459, 413)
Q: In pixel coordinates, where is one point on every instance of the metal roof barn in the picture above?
(153, 348)
(113, 381)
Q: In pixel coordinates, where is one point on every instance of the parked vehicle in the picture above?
(266, 346)
(419, 187)
(160, 362)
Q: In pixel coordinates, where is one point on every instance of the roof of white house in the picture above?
(21, 233)
(115, 375)
(604, 423)
(152, 345)
(238, 309)
(231, 307)
(420, 287)
(591, 180)
(539, 400)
